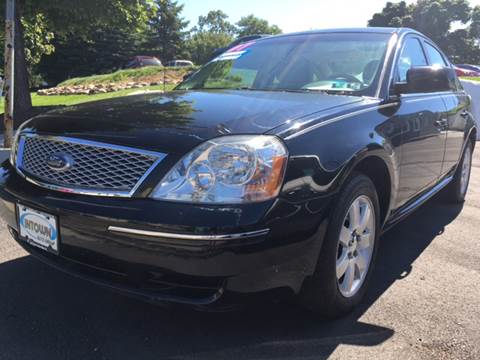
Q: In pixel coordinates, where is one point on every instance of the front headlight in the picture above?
(227, 170)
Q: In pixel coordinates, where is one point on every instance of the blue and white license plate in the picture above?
(38, 228)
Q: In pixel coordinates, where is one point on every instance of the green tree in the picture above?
(212, 32)
(216, 21)
(61, 17)
(202, 45)
(252, 25)
(104, 50)
(167, 30)
(474, 29)
(435, 18)
(37, 39)
(393, 15)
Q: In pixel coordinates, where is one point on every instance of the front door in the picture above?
(423, 121)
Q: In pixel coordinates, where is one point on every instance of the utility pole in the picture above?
(9, 71)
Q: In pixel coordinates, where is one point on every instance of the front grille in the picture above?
(94, 167)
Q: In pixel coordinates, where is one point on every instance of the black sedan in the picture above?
(275, 167)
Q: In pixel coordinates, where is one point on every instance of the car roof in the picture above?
(366, 30)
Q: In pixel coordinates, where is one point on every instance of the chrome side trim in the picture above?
(338, 118)
(187, 236)
(86, 191)
(417, 97)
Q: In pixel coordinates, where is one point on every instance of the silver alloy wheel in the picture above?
(466, 167)
(355, 246)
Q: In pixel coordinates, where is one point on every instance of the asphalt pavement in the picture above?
(424, 303)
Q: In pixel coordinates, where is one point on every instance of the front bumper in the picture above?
(164, 251)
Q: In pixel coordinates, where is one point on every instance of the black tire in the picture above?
(320, 292)
(455, 191)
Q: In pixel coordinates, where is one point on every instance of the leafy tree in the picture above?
(104, 50)
(167, 30)
(462, 47)
(212, 32)
(61, 17)
(393, 15)
(474, 29)
(216, 21)
(434, 18)
(37, 39)
(251, 25)
(202, 45)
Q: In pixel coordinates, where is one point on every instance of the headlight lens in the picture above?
(229, 169)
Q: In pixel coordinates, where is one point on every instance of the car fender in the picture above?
(322, 160)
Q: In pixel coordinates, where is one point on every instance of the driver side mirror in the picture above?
(426, 79)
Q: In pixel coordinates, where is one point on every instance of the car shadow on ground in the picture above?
(45, 314)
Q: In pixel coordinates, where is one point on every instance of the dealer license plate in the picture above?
(38, 228)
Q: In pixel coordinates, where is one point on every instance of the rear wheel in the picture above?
(457, 190)
(348, 253)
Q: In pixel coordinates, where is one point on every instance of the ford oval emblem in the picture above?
(59, 161)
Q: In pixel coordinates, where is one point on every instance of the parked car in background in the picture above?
(142, 61)
(277, 166)
(469, 67)
(463, 72)
(179, 63)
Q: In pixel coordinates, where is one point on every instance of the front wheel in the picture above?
(457, 190)
(348, 253)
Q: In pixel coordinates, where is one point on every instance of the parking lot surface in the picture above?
(424, 303)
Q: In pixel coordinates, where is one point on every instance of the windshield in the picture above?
(330, 62)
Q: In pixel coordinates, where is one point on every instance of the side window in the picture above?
(436, 59)
(412, 55)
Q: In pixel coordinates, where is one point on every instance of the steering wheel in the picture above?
(347, 77)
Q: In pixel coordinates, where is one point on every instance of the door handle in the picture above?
(464, 114)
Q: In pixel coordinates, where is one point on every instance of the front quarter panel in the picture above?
(322, 159)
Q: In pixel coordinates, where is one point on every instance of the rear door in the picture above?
(424, 128)
(457, 102)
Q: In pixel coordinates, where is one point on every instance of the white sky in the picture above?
(293, 15)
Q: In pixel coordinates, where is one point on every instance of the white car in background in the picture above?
(179, 63)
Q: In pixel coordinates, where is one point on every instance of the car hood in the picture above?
(175, 122)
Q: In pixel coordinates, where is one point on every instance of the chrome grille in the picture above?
(97, 168)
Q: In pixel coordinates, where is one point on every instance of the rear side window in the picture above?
(436, 59)
(412, 55)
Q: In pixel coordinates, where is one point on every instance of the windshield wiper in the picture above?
(224, 88)
(322, 91)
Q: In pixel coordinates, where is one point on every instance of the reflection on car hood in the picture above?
(178, 121)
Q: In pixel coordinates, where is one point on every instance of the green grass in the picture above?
(56, 100)
(471, 78)
(125, 75)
